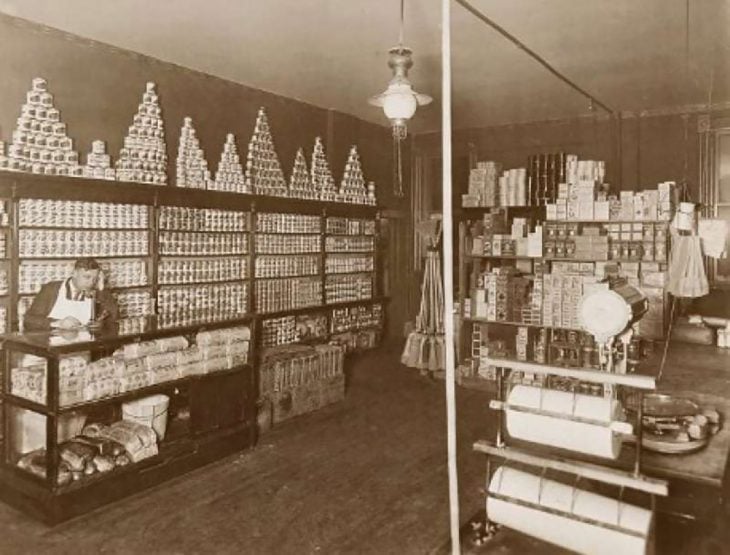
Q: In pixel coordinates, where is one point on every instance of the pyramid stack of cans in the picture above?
(263, 171)
(40, 143)
(99, 163)
(192, 167)
(322, 180)
(143, 158)
(229, 176)
(300, 185)
(352, 188)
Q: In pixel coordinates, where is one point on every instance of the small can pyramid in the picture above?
(192, 167)
(40, 143)
(263, 171)
(99, 163)
(300, 185)
(322, 181)
(143, 157)
(229, 176)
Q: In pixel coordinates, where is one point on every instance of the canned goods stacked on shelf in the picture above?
(349, 226)
(278, 331)
(180, 218)
(54, 243)
(173, 271)
(268, 266)
(70, 214)
(287, 244)
(288, 293)
(4, 282)
(117, 273)
(134, 303)
(349, 287)
(175, 243)
(356, 318)
(355, 243)
(348, 263)
(184, 305)
(287, 223)
(4, 214)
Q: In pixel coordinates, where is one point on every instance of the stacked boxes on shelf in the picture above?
(627, 241)
(483, 185)
(587, 200)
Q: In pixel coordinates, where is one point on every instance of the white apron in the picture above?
(64, 307)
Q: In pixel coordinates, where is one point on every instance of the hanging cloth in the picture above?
(686, 272)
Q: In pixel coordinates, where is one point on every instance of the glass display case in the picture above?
(94, 415)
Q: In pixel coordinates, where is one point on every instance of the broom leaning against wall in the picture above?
(424, 348)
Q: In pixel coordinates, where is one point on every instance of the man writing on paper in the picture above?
(76, 302)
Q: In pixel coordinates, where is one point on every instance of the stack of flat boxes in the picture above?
(483, 185)
(584, 200)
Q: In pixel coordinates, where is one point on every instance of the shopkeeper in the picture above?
(76, 302)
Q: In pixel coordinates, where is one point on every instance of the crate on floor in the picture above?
(298, 379)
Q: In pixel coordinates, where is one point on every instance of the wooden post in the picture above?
(448, 231)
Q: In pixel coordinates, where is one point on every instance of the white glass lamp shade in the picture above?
(399, 102)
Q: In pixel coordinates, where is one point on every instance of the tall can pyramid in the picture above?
(229, 176)
(300, 185)
(263, 171)
(191, 169)
(143, 157)
(352, 187)
(322, 181)
(40, 143)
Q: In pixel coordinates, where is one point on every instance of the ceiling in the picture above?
(632, 55)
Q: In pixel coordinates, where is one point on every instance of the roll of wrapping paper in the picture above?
(593, 439)
(549, 510)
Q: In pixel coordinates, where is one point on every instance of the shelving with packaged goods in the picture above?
(202, 264)
(68, 392)
(52, 233)
(295, 281)
(531, 274)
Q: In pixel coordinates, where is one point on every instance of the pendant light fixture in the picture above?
(399, 101)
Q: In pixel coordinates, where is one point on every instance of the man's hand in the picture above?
(68, 323)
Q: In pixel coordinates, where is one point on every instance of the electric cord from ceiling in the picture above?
(534, 55)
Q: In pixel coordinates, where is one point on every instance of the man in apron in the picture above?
(76, 302)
